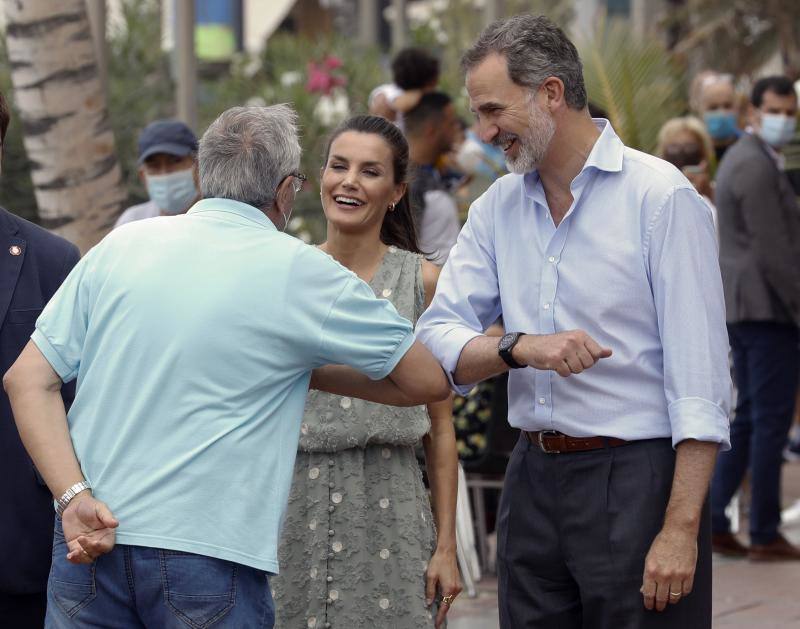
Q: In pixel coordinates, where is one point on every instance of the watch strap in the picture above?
(508, 346)
(68, 495)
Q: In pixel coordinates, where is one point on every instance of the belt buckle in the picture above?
(548, 433)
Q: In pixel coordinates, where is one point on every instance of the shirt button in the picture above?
(551, 259)
(546, 306)
(542, 400)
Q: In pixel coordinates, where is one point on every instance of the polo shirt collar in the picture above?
(237, 208)
(606, 155)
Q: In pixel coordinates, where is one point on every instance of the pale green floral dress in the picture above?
(358, 532)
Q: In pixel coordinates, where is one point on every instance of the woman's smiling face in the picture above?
(357, 182)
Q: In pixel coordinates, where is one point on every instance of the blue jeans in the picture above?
(139, 587)
(765, 363)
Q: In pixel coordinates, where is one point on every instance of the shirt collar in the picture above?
(230, 206)
(606, 155)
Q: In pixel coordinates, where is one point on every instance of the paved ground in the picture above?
(746, 595)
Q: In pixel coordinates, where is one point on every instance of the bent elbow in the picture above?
(439, 388)
(9, 380)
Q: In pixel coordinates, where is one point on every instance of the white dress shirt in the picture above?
(633, 263)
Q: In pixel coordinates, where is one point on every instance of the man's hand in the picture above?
(669, 568)
(89, 529)
(565, 353)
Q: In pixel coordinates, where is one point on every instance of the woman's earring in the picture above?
(391, 207)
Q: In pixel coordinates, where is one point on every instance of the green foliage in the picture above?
(16, 187)
(635, 81)
(140, 89)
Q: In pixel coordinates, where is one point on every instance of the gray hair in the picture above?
(534, 49)
(246, 153)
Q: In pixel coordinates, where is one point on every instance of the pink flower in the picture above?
(332, 63)
(320, 78)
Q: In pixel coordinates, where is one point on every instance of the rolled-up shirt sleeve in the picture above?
(61, 329)
(684, 273)
(364, 332)
(467, 297)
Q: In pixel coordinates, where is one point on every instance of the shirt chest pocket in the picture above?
(21, 316)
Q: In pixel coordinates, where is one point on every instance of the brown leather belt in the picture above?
(554, 442)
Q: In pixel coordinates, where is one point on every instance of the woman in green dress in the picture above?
(361, 546)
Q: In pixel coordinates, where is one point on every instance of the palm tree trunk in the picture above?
(68, 138)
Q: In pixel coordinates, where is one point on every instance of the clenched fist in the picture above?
(565, 353)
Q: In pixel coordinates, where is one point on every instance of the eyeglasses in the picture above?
(298, 179)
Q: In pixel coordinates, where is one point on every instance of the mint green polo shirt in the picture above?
(192, 339)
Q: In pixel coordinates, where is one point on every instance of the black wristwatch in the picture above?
(507, 343)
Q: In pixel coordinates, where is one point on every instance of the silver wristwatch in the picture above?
(73, 491)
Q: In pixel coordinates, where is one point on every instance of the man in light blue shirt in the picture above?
(601, 259)
(192, 340)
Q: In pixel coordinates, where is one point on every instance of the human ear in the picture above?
(553, 88)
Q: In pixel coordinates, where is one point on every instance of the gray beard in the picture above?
(532, 147)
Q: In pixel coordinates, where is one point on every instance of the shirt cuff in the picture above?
(400, 351)
(699, 419)
(447, 350)
(64, 371)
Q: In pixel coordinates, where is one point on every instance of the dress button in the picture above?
(384, 503)
(387, 292)
(336, 498)
(331, 485)
(330, 532)
(542, 400)
(329, 579)
(331, 509)
(345, 403)
(313, 473)
(312, 525)
(312, 622)
(331, 462)
(385, 553)
(337, 547)
(383, 603)
(334, 594)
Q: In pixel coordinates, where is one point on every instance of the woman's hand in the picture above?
(442, 575)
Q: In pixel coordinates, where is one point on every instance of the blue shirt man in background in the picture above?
(192, 340)
(588, 247)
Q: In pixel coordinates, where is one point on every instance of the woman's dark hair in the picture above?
(399, 226)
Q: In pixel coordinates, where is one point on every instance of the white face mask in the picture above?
(173, 193)
(777, 130)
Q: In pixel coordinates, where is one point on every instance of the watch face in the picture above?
(507, 341)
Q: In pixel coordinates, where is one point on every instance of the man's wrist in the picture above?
(520, 351)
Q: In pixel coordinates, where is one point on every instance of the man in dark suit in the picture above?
(33, 263)
(759, 223)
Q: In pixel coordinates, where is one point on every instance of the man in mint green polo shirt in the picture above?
(192, 340)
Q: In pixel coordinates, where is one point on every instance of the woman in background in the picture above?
(360, 545)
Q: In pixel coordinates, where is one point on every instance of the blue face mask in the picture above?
(721, 125)
(777, 130)
(174, 192)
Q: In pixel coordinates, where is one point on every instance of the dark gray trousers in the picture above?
(572, 535)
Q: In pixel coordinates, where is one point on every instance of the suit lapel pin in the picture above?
(15, 250)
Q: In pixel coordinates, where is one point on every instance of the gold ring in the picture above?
(671, 593)
(448, 600)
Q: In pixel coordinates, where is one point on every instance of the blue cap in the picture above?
(166, 136)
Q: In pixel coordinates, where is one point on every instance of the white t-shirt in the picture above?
(439, 227)
(137, 213)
